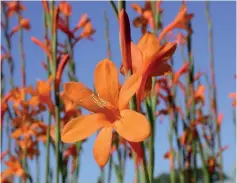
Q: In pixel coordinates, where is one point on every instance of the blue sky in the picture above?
(89, 53)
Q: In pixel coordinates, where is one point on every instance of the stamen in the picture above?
(97, 100)
(105, 105)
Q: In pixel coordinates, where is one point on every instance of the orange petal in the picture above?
(65, 8)
(161, 70)
(128, 89)
(149, 45)
(133, 126)
(137, 58)
(17, 133)
(81, 95)
(139, 21)
(142, 89)
(102, 146)
(106, 81)
(137, 8)
(82, 127)
(161, 56)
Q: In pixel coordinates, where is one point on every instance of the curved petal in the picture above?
(133, 126)
(161, 70)
(81, 95)
(102, 146)
(82, 127)
(106, 81)
(149, 45)
(137, 59)
(142, 90)
(160, 57)
(128, 89)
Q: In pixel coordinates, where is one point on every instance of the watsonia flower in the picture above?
(107, 115)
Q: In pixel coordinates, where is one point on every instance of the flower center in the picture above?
(107, 108)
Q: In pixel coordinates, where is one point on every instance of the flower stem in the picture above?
(55, 89)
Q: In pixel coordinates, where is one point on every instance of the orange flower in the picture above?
(82, 22)
(145, 16)
(233, 96)
(148, 59)
(181, 21)
(30, 146)
(65, 8)
(24, 24)
(219, 120)
(70, 110)
(198, 96)
(42, 95)
(180, 72)
(88, 30)
(14, 7)
(169, 155)
(43, 46)
(13, 168)
(108, 114)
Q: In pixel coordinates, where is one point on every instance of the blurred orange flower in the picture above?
(14, 7)
(145, 16)
(181, 21)
(65, 8)
(24, 24)
(13, 168)
(108, 114)
(233, 96)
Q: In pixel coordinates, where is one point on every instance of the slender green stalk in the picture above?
(56, 91)
(121, 5)
(107, 35)
(10, 67)
(191, 111)
(114, 7)
(8, 43)
(151, 140)
(22, 54)
(145, 174)
(48, 141)
(110, 169)
(214, 100)
(47, 153)
(38, 170)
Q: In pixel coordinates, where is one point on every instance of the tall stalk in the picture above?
(214, 99)
(55, 88)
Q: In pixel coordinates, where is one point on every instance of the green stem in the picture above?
(37, 170)
(114, 7)
(47, 159)
(8, 42)
(121, 5)
(110, 169)
(107, 35)
(151, 140)
(56, 92)
(214, 100)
